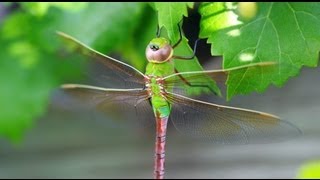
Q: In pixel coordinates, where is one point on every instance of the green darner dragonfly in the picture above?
(151, 94)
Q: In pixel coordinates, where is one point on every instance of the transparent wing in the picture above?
(108, 72)
(182, 82)
(222, 124)
(130, 106)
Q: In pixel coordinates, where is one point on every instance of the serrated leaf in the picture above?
(287, 33)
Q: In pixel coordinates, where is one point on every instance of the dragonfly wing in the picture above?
(110, 72)
(222, 124)
(180, 82)
(118, 104)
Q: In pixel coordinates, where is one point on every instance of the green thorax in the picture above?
(160, 69)
(155, 70)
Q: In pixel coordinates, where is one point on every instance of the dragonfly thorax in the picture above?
(155, 86)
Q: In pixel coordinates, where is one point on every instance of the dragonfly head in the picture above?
(159, 50)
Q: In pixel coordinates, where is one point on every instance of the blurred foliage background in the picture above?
(30, 65)
(31, 57)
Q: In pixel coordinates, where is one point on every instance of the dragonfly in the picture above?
(151, 95)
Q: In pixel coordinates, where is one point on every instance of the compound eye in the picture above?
(156, 54)
(154, 47)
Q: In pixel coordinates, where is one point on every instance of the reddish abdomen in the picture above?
(159, 161)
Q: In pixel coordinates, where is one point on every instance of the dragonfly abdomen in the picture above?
(161, 129)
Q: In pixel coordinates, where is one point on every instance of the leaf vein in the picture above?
(299, 28)
(279, 47)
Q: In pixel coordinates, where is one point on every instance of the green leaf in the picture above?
(169, 16)
(287, 33)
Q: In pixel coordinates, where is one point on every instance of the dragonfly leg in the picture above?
(159, 31)
(188, 57)
(192, 85)
(180, 33)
